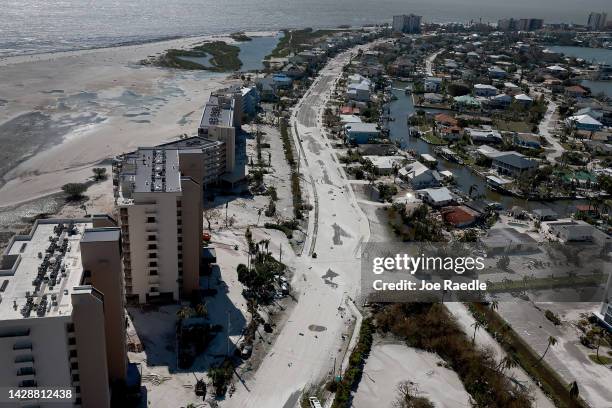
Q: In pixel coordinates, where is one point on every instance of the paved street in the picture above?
(305, 349)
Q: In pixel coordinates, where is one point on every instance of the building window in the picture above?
(153, 264)
(70, 327)
(25, 371)
(74, 366)
(153, 255)
(150, 220)
(153, 272)
(151, 238)
(152, 246)
(73, 353)
(75, 377)
(71, 341)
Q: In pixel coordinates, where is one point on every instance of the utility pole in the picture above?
(229, 324)
(280, 255)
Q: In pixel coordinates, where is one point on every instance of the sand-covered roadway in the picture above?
(307, 346)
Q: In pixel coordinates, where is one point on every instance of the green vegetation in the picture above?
(526, 357)
(386, 192)
(430, 327)
(221, 376)
(286, 226)
(74, 191)
(547, 283)
(550, 315)
(293, 41)
(512, 126)
(296, 189)
(223, 57)
(240, 37)
(417, 225)
(99, 173)
(603, 360)
(354, 371)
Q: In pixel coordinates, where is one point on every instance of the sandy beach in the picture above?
(62, 114)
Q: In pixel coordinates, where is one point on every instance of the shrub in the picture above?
(74, 191)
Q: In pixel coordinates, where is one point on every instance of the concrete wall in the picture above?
(103, 260)
(88, 317)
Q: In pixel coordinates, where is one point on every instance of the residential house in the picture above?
(359, 133)
(575, 91)
(512, 163)
(432, 84)
(250, 100)
(527, 140)
(359, 91)
(496, 72)
(569, 230)
(466, 101)
(433, 98)
(385, 165)
(523, 99)
(436, 197)
(501, 101)
(484, 90)
(419, 176)
(460, 216)
(584, 122)
(484, 135)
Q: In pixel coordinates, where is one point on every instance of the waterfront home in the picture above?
(467, 101)
(523, 99)
(450, 132)
(498, 183)
(460, 216)
(419, 176)
(485, 90)
(584, 122)
(345, 119)
(544, 214)
(359, 91)
(267, 89)
(433, 98)
(385, 165)
(358, 133)
(575, 91)
(527, 140)
(556, 70)
(597, 114)
(483, 135)
(432, 84)
(349, 110)
(428, 159)
(445, 120)
(569, 230)
(512, 163)
(436, 197)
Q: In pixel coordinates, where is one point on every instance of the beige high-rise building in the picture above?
(158, 192)
(62, 316)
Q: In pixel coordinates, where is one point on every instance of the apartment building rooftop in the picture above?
(38, 272)
(195, 143)
(149, 170)
(219, 111)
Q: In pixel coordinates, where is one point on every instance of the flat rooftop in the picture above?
(41, 270)
(195, 143)
(150, 170)
(219, 111)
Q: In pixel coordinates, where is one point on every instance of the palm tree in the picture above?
(573, 390)
(507, 363)
(551, 342)
(201, 310)
(476, 325)
(184, 312)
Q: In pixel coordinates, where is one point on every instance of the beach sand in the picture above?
(62, 114)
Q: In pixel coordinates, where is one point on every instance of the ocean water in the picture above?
(35, 26)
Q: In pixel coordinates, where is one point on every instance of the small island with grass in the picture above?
(222, 57)
(240, 36)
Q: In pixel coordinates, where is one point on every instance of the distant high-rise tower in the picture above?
(409, 24)
(597, 21)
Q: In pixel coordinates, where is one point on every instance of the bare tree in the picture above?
(210, 215)
(409, 397)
